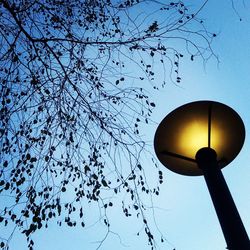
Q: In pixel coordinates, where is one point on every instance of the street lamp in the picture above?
(200, 138)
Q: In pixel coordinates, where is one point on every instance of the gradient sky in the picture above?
(184, 212)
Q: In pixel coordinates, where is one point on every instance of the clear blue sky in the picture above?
(184, 211)
(190, 222)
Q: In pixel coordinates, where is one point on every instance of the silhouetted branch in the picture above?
(76, 78)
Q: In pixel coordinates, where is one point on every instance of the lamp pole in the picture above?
(229, 218)
(188, 141)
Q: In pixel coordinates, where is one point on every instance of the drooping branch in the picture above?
(75, 100)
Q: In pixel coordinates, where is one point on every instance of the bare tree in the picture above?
(75, 81)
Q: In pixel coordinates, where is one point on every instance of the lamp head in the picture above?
(196, 125)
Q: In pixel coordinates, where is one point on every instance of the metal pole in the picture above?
(233, 229)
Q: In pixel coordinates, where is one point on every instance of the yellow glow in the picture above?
(194, 136)
(185, 130)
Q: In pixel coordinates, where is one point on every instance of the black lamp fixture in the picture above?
(200, 138)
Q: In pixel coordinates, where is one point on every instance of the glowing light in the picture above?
(193, 137)
(184, 131)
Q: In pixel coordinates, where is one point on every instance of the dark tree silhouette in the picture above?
(75, 80)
